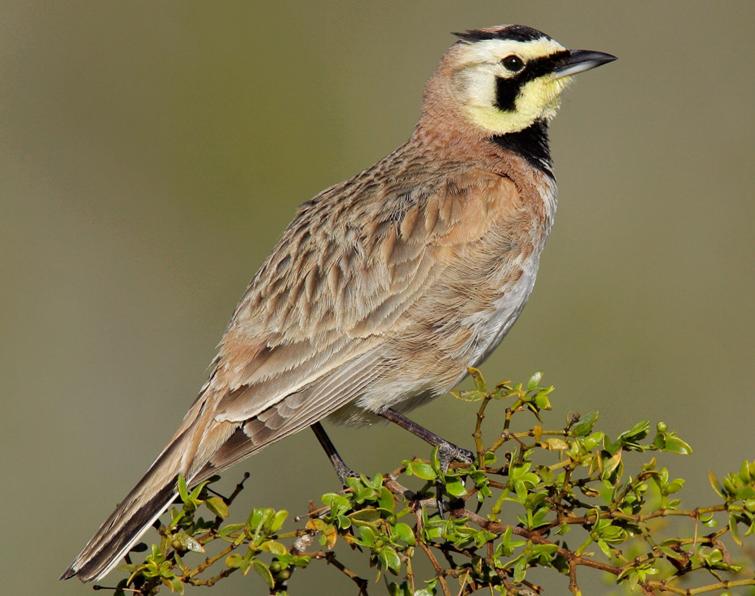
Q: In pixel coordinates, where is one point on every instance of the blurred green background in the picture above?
(152, 152)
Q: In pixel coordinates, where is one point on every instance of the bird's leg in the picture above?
(342, 470)
(447, 451)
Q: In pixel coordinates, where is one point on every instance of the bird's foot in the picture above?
(448, 452)
(344, 472)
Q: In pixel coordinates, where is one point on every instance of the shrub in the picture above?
(562, 498)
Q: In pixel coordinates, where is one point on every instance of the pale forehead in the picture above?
(492, 50)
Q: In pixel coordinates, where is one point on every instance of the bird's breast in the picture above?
(513, 279)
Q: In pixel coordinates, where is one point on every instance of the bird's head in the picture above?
(504, 79)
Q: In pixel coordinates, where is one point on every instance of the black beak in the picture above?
(580, 61)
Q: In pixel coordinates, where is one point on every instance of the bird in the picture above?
(385, 288)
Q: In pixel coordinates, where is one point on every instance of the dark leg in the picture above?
(447, 451)
(339, 465)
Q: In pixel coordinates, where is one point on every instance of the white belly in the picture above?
(488, 329)
(491, 326)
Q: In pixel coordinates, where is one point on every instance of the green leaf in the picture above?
(337, 503)
(584, 426)
(734, 530)
(638, 432)
(430, 589)
(456, 488)
(183, 490)
(386, 500)
(367, 514)
(714, 483)
(534, 381)
(542, 401)
(263, 570)
(367, 535)
(676, 444)
(555, 444)
(610, 465)
(404, 533)
(747, 472)
(478, 379)
(593, 440)
(520, 570)
(194, 496)
(274, 547)
(470, 396)
(604, 547)
(278, 520)
(421, 470)
(375, 483)
(674, 486)
(218, 506)
(354, 483)
(666, 440)
(389, 559)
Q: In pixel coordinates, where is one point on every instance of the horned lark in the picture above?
(385, 288)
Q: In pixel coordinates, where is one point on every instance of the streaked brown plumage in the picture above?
(384, 288)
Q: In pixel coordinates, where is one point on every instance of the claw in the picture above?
(343, 471)
(448, 452)
(439, 500)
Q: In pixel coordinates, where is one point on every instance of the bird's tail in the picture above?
(133, 516)
(201, 447)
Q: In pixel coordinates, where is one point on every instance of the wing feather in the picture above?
(289, 415)
(331, 293)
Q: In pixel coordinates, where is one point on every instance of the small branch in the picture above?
(477, 434)
(717, 587)
(439, 572)
(573, 586)
(209, 582)
(537, 538)
(210, 561)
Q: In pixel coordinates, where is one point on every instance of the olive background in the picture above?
(151, 153)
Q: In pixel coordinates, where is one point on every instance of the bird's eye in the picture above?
(513, 63)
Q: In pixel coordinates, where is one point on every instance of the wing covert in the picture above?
(331, 292)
